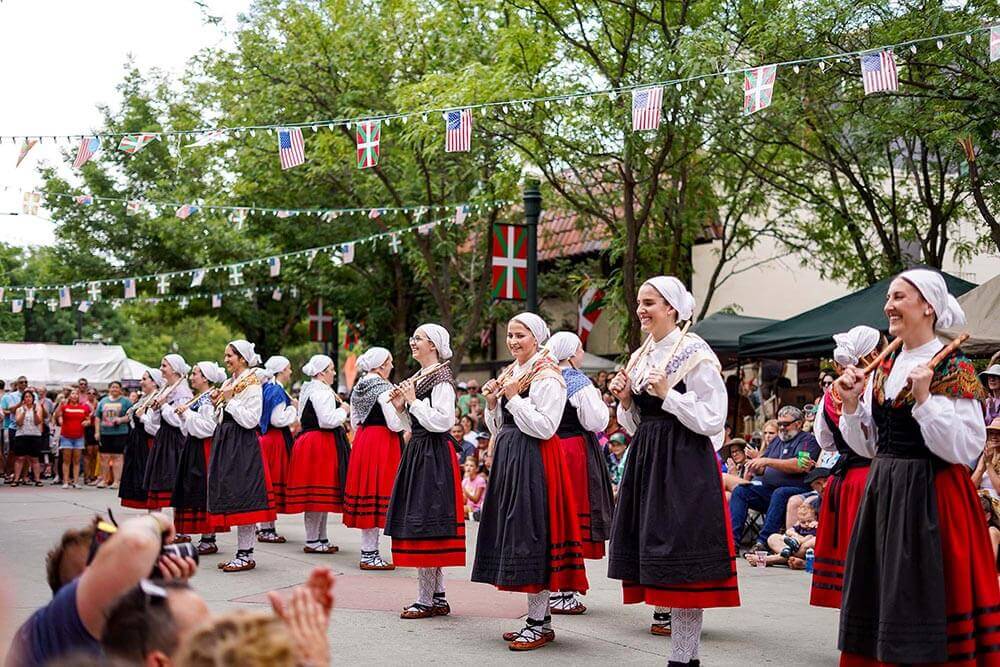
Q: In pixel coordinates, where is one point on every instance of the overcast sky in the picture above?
(62, 59)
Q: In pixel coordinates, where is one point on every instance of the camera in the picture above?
(103, 530)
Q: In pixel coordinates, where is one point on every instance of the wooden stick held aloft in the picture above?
(886, 351)
(946, 350)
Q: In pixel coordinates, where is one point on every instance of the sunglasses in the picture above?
(828, 383)
(786, 424)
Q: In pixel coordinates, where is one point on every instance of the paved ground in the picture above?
(774, 626)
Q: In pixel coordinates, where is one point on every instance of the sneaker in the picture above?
(65, 486)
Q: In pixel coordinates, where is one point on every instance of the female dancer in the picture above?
(276, 419)
(670, 541)
(529, 540)
(920, 583)
(846, 485)
(583, 415)
(161, 468)
(132, 491)
(198, 425)
(426, 519)
(374, 456)
(318, 466)
(239, 487)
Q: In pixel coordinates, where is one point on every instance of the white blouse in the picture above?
(823, 435)
(199, 423)
(952, 428)
(592, 412)
(539, 414)
(702, 407)
(393, 420)
(437, 415)
(246, 406)
(328, 413)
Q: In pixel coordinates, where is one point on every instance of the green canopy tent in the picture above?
(722, 331)
(810, 334)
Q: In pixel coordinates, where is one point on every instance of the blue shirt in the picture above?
(803, 442)
(8, 401)
(54, 630)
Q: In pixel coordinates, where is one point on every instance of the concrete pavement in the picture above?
(775, 625)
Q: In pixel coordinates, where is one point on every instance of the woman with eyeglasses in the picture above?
(529, 536)
(317, 469)
(426, 515)
(846, 485)
(375, 454)
(583, 415)
(671, 545)
(920, 582)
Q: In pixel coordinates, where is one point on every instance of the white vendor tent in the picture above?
(982, 310)
(593, 363)
(58, 365)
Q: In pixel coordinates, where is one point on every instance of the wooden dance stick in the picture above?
(886, 351)
(946, 350)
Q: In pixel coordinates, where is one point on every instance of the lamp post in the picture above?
(532, 212)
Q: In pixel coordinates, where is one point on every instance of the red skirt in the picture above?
(972, 596)
(841, 499)
(370, 475)
(272, 445)
(158, 500)
(190, 521)
(567, 571)
(313, 483)
(575, 453)
(701, 595)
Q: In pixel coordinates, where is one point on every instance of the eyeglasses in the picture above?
(786, 424)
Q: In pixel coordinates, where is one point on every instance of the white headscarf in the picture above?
(246, 350)
(177, 362)
(856, 343)
(536, 325)
(317, 364)
(440, 337)
(931, 285)
(674, 292)
(276, 364)
(212, 371)
(157, 376)
(564, 345)
(372, 359)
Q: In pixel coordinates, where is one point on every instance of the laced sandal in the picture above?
(206, 548)
(243, 561)
(661, 624)
(321, 549)
(511, 636)
(530, 637)
(568, 605)
(417, 610)
(375, 562)
(270, 536)
(441, 606)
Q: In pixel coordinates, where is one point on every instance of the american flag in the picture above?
(646, 104)
(878, 72)
(88, 146)
(65, 297)
(129, 288)
(132, 206)
(84, 200)
(16, 305)
(186, 211)
(994, 44)
(460, 214)
(283, 214)
(275, 266)
(458, 130)
(291, 147)
(217, 300)
(84, 306)
(374, 214)
(198, 277)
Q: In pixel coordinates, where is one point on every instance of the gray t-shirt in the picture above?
(31, 426)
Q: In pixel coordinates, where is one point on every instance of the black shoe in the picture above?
(692, 663)
(792, 543)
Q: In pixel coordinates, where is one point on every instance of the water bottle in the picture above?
(810, 557)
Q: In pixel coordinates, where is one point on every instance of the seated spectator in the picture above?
(778, 475)
(790, 548)
(473, 488)
(462, 448)
(146, 626)
(986, 473)
(77, 615)
(734, 457)
(482, 444)
(618, 450)
(817, 483)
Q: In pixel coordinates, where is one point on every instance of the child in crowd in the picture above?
(791, 547)
(474, 488)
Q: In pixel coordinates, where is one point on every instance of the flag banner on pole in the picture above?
(374, 214)
(94, 292)
(291, 147)
(132, 206)
(217, 300)
(88, 148)
(133, 143)
(758, 87)
(510, 262)
(878, 72)
(31, 202)
(29, 297)
(311, 257)
(461, 213)
(162, 284)
(995, 43)
(344, 254)
(186, 211)
(646, 105)
(283, 214)
(25, 147)
(65, 297)
(458, 130)
(320, 323)
(591, 305)
(2, 292)
(84, 306)
(16, 305)
(84, 200)
(198, 277)
(352, 335)
(129, 288)
(237, 216)
(275, 264)
(235, 276)
(276, 294)
(213, 137)
(369, 136)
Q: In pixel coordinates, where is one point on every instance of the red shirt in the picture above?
(73, 417)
